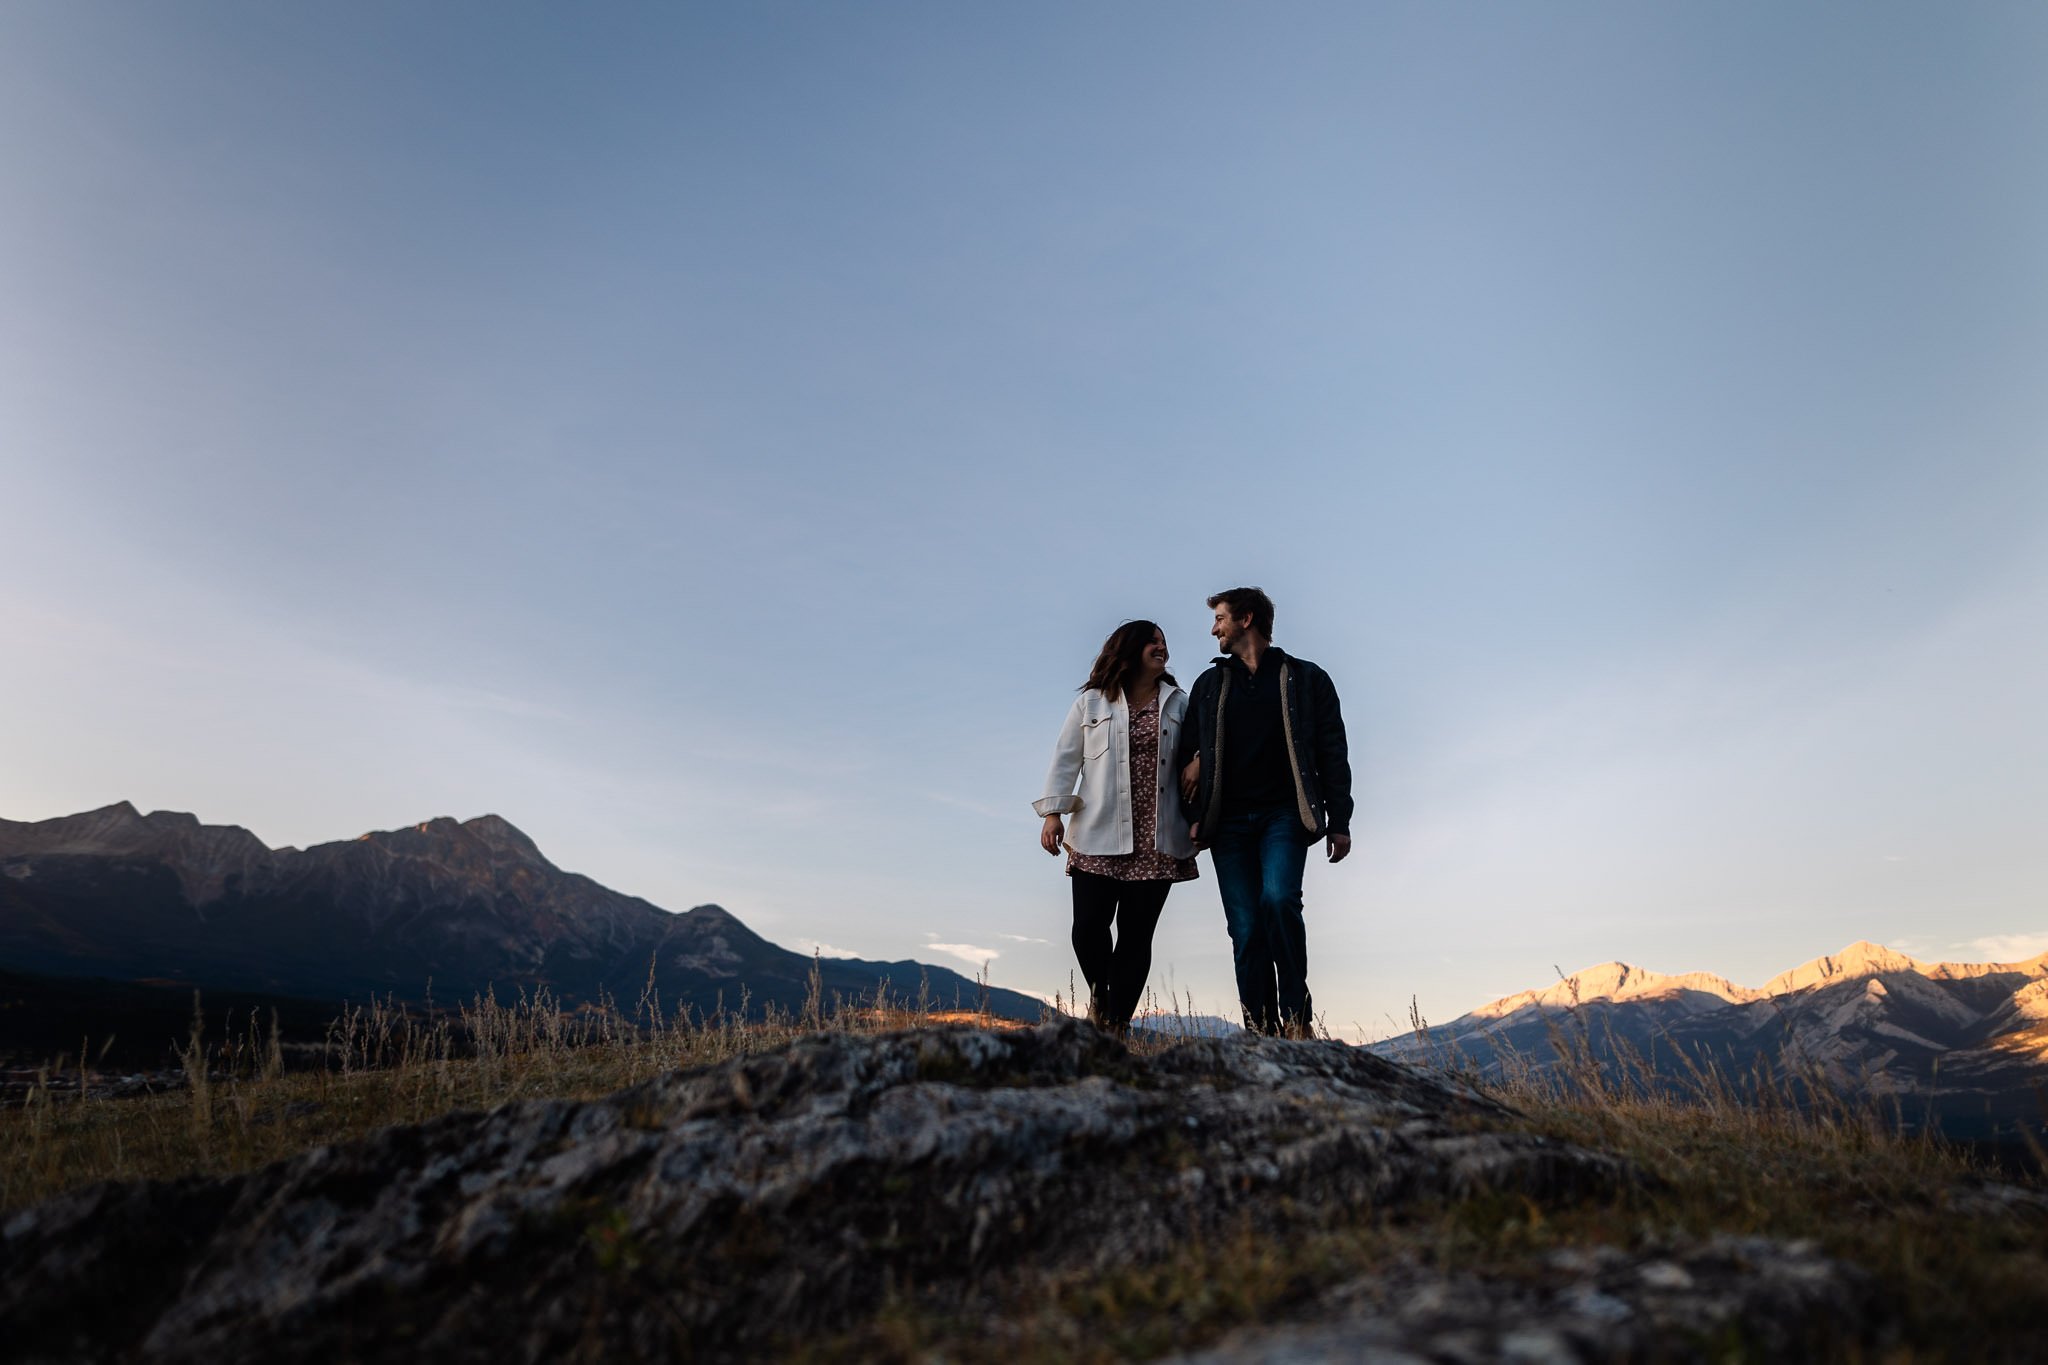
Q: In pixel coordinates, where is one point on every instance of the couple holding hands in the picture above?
(1251, 765)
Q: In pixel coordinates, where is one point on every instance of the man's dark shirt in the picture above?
(1256, 776)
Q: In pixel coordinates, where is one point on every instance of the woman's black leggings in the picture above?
(1115, 973)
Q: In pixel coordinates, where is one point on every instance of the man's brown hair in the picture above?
(1251, 602)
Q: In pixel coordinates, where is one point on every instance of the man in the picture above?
(1264, 774)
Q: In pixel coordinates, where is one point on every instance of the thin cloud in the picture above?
(966, 952)
(1023, 938)
(811, 945)
(2005, 947)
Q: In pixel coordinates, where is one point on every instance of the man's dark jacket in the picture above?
(1314, 730)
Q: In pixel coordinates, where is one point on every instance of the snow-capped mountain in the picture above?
(1965, 1042)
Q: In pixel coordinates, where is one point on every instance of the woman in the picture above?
(1128, 844)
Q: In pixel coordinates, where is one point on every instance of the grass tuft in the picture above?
(1968, 1281)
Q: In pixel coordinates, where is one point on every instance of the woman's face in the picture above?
(1154, 657)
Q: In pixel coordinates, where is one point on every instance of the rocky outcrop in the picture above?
(1779, 1300)
(735, 1210)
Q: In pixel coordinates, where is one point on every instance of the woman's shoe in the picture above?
(1099, 1012)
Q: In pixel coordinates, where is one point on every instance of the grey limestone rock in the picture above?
(719, 1213)
(1733, 1298)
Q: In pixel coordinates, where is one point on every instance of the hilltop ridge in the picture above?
(887, 1196)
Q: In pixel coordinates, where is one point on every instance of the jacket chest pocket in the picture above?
(1095, 738)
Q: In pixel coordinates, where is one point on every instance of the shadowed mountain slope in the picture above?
(451, 907)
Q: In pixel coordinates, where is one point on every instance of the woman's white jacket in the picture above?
(1095, 747)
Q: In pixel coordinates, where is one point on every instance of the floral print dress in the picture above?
(1146, 864)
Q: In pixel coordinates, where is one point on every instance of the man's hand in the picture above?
(1050, 834)
(1340, 847)
(1195, 836)
(1191, 779)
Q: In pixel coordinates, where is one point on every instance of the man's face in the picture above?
(1230, 630)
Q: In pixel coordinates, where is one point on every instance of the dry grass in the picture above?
(1968, 1283)
(237, 1107)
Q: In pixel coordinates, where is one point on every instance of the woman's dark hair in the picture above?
(1120, 656)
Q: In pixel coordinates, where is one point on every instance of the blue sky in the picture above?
(717, 438)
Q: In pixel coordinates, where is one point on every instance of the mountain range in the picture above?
(1961, 1044)
(448, 908)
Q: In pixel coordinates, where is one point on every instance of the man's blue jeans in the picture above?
(1259, 857)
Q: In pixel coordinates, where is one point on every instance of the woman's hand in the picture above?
(1051, 833)
(1191, 779)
